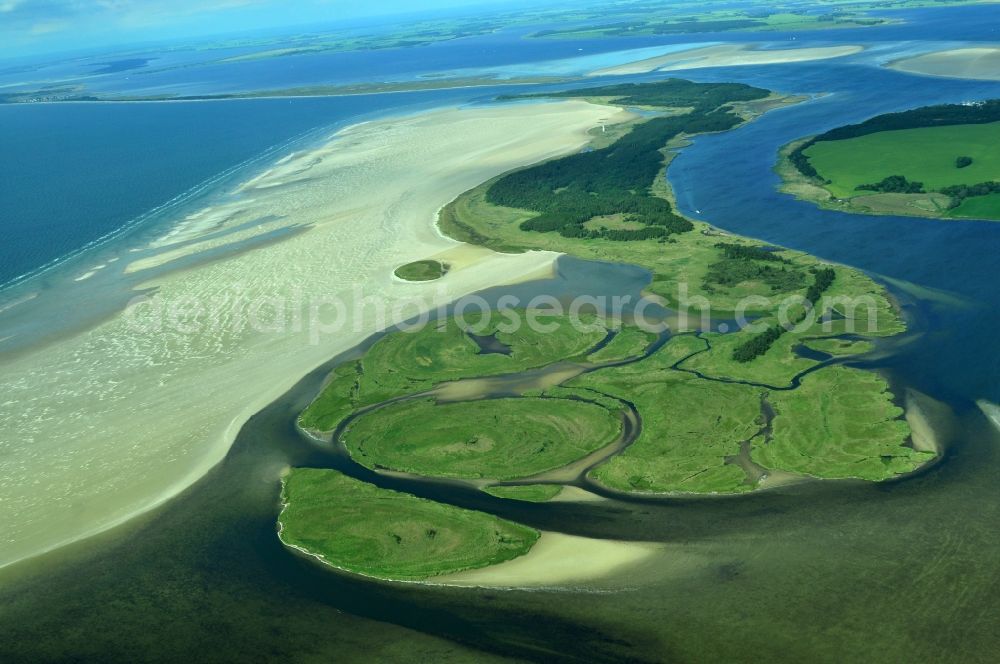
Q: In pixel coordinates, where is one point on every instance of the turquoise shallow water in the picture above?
(72, 174)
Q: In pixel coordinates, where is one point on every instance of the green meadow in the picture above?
(406, 363)
(493, 438)
(840, 422)
(360, 528)
(690, 426)
(978, 207)
(924, 155)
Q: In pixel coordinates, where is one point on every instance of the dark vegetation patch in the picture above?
(760, 344)
(741, 263)
(570, 191)
(894, 184)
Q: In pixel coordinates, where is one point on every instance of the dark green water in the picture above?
(829, 571)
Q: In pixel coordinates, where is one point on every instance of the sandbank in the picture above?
(918, 415)
(110, 422)
(558, 560)
(982, 63)
(991, 411)
(727, 55)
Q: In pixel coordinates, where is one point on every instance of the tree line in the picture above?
(570, 191)
(758, 345)
(894, 184)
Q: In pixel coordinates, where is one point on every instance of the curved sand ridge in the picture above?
(107, 424)
(727, 55)
(559, 560)
(982, 63)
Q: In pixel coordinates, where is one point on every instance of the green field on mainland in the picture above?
(494, 438)
(426, 270)
(978, 207)
(361, 528)
(924, 155)
(530, 493)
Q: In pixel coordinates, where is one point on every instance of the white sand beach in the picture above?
(727, 55)
(102, 426)
(982, 63)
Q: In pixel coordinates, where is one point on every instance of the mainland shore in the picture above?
(112, 421)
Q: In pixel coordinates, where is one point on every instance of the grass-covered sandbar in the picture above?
(424, 270)
(494, 438)
(357, 527)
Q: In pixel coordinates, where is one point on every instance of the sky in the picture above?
(31, 27)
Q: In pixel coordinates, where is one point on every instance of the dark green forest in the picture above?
(570, 191)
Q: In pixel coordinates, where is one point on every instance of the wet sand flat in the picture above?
(110, 422)
(727, 55)
(982, 63)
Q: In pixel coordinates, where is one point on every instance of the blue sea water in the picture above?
(71, 175)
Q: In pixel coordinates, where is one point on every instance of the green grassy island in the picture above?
(360, 528)
(495, 438)
(689, 411)
(930, 162)
(427, 270)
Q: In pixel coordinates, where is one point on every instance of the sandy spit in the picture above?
(920, 413)
(982, 63)
(991, 411)
(558, 560)
(727, 55)
(107, 424)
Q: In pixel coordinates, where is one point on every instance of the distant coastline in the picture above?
(65, 97)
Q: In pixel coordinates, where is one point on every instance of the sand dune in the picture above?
(113, 421)
(727, 55)
(977, 63)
